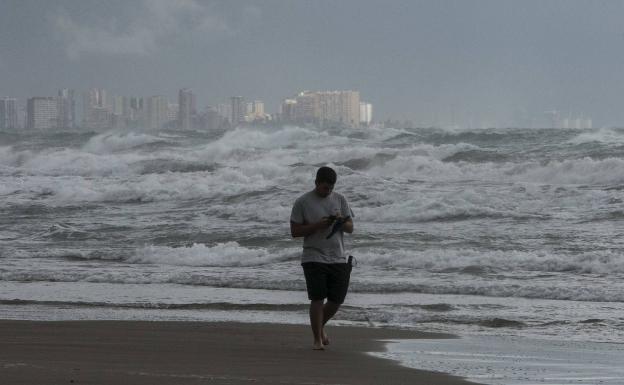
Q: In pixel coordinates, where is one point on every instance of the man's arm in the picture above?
(348, 226)
(300, 230)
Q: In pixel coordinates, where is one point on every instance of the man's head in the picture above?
(325, 181)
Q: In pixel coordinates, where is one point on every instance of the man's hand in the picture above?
(300, 230)
(325, 222)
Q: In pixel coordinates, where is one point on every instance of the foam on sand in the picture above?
(514, 361)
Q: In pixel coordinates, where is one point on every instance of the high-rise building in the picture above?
(95, 97)
(118, 119)
(117, 105)
(554, 119)
(307, 107)
(173, 109)
(136, 103)
(342, 107)
(8, 114)
(326, 108)
(255, 111)
(565, 123)
(187, 110)
(156, 112)
(258, 109)
(133, 111)
(366, 113)
(100, 118)
(238, 110)
(225, 111)
(97, 114)
(41, 113)
(66, 108)
(210, 119)
(287, 110)
(580, 122)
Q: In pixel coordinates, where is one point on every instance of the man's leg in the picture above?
(316, 321)
(329, 310)
(316, 284)
(337, 287)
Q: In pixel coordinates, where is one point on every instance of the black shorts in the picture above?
(327, 280)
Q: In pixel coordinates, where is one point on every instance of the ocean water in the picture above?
(512, 360)
(516, 233)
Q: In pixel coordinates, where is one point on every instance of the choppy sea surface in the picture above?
(489, 232)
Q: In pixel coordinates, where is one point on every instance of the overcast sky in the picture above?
(473, 62)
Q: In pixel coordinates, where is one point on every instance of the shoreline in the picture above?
(180, 352)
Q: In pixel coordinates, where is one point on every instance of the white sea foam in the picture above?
(250, 139)
(387, 201)
(61, 190)
(607, 136)
(456, 205)
(571, 171)
(67, 161)
(599, 262)
(10, 158)
(248, 159)
(221, 254)
(115, 141)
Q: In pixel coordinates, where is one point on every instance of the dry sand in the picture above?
(127, 352)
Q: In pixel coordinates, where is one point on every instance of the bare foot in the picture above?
(318, 346)
(325, 338)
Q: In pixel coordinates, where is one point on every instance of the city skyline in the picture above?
(481, 63)
(102, 111)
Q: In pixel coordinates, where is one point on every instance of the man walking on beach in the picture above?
(321, 216)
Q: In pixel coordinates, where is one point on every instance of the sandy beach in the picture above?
(114, 352)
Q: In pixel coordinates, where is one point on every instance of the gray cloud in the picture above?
(489, 62)
(157, 24)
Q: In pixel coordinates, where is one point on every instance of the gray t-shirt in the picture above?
(311, 208)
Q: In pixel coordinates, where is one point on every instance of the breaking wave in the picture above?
(114, 142)
(607, 136)
(441, 260)
(222, 254)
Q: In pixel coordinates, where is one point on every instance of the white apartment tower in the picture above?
(328, 108)
(173, 110)
(8, 113)
(225, 111)
(66, 108)
(156, 116)
(287, 110)
(97, 114)
(255, 111)
(41, 113)
(258, 109)
(307, 107)
(238, 110)
(366, 113)
(186, 111)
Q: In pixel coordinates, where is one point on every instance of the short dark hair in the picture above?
(327, 175)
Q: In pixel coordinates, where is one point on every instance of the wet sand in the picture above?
(143, 352)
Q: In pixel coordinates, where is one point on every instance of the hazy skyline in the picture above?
(472, 62)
